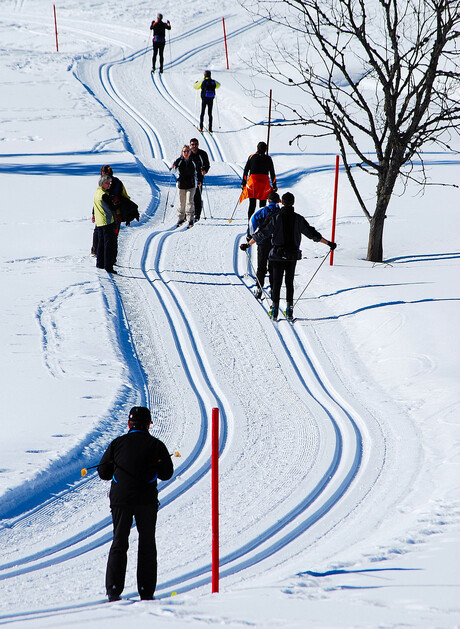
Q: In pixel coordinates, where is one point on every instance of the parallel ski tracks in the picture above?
(347, 452)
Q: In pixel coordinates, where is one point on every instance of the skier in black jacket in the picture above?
(201, 161)
(186, 184)
(159, 29)
(285, 230)
(134, 462)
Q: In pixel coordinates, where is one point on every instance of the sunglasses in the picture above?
(186, 151)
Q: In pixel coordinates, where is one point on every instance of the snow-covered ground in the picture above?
(339, 435)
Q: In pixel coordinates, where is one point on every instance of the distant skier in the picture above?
(258, 220)
(134, 462)
(258, 172)
(202, 165)
(208, 88)
(159, 29)
(186, 184)
(285, 229)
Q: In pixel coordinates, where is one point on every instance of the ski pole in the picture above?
(231, 217)
(167, 195)
(207, 198)
(255, 275)
(218, 114)
(84, 470)
(321, 264)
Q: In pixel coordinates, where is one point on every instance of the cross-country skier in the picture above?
(202, 165)
(258, 220)
(285, 230)
(186, 184)
(134, 462)
(159, 29)
(208, 88)
(256, 181)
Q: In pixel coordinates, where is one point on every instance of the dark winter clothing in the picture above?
(159, 29)
(104, 218)
(187, 173)
(285, 230)
(208, 88)
(201, 161)
(134, 462)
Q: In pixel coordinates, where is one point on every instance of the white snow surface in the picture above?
(339, 465)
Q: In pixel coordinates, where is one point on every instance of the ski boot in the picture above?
(273, 312)
(258, 293)
(289, 314)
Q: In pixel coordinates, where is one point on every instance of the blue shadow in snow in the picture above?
(424, 257)
(330, 573)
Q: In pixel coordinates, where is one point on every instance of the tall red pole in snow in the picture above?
(225, 41)
(334, 209)
(215, 498)
(55, 28)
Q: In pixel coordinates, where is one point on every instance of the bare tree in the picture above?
(383, 77)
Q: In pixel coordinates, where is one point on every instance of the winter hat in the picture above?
(261, 147)
(274, 197)
(288, 198)
(140, 415)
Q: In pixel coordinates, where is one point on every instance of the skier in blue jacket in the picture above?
(263, 246)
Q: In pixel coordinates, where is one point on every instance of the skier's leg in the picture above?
(146, 519)
(251, 208)
(122, 518)
(289, 280)
(262, 259)
(181, 208)
(189, 209)
(161, 48)
(203, 109)
(210, 104)
(277, 278)
(154, 58)
(197, 203)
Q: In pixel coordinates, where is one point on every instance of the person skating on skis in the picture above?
(258, 173)
(257, 221)
(202, 165)
(134, 462)
(159, 29)
(208, 87)
(285, 230)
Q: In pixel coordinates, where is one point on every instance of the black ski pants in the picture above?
(106, 246)
(197, 202)
(206, 102)
(158, 48)
(278, 269)
(146, 518)
(262, 263)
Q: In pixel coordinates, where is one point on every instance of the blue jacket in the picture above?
(260, 217)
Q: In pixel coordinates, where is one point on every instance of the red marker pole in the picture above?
(215, 498)
(334, 209)
(225, 41)
(55, 28)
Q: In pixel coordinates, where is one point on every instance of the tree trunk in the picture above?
(375, 244)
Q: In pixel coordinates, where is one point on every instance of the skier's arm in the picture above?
(105, 468)
(272, 175)
(168, 25)
(164, 462)
(206, 164)
(197, 85)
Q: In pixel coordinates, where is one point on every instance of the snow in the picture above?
(339, 435)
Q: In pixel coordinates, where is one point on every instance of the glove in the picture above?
(244, 246)
(275, 188)
(332, 245)
(243, 184)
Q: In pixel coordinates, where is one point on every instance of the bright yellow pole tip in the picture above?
(173, 593)
(84, 471)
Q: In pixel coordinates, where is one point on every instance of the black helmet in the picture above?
(140, 415)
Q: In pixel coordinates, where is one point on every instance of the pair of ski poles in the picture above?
(167, 199)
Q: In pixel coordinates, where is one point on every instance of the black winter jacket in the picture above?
(201, 161)
(187, 173)
(285, 230)
(259, 164)
(134, 462)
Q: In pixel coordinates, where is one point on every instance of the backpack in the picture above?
(208, 88)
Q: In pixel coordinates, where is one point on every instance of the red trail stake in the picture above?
(215, 498)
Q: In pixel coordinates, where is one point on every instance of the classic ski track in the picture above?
(195, 365)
